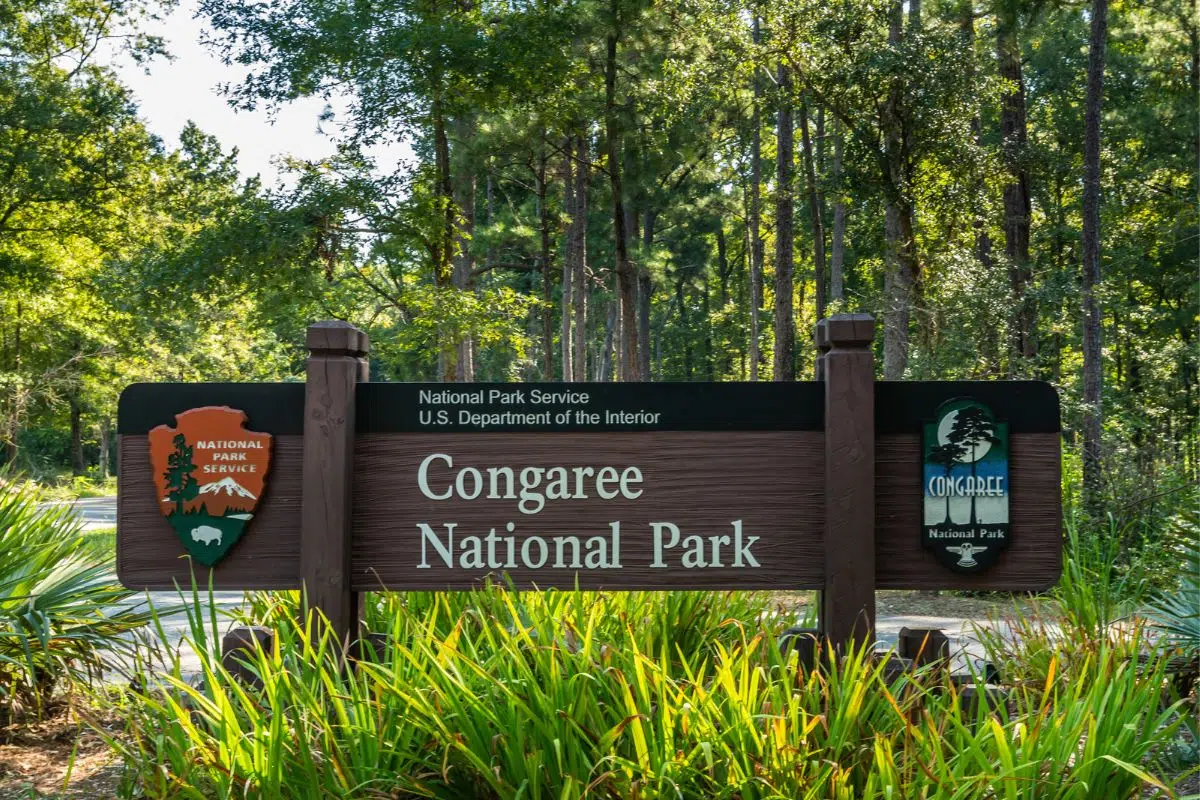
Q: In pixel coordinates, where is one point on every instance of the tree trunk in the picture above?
(723, 268)
(568, 273)
(706, 312)
(579, 221)
(442, 249)
(785, 322)
(1017, 209)
(755, 233)
(645, 294)
(544, 259)
(983, 241)
(625, 272)
(77, 465)
(105, 432)
(814, 202)
(1092, 366)
(685, 325)
(604, 365)
(837, 260)
(464, 201)
(900, 264)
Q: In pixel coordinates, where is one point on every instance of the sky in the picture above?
(169, 93)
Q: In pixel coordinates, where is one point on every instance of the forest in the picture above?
(633, 190)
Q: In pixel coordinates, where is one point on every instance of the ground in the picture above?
(58, 758)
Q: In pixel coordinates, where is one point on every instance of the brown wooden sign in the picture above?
(807, 485)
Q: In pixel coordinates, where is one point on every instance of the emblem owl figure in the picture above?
(966, 553)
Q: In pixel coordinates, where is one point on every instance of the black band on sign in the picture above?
(588, 407)
(276, 408)
(1027, 406)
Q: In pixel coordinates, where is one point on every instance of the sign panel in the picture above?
(965, 485)
(624, 486)
(620, 486)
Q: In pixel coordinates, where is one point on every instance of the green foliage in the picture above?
(502, 694)
(1100, 586)
(1175, 610)
(63, 617)
(181, 483)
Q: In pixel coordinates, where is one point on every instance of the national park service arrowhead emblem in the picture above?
(209, 475)
(965, 479)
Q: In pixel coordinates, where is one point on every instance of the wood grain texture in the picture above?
(848, 597)
(326, 508)
(150, 555)
(1032, 562)
(773, 482)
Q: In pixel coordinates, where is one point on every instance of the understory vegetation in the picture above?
(500, 694)
(64, 619)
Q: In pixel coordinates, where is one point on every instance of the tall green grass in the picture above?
(496, 694)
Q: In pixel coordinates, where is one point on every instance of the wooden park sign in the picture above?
(842, 484)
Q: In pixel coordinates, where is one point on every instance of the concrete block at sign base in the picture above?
(975, 696)
(239, 645)
(924, 646)
(805, 641)
(893, 666)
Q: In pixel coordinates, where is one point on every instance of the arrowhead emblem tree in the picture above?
(181, 483)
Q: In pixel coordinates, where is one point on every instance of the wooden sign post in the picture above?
(848, 596)
(336, 365)
(841, 485)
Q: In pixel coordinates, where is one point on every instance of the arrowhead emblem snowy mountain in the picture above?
(210, 472)
(229, 486)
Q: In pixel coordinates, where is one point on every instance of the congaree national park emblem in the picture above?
(965, 475)
(209, 474)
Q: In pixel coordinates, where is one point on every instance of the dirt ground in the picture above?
(59, 758)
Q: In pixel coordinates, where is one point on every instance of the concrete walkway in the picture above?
(965, 649)
(93, 512)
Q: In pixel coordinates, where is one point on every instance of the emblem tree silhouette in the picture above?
(946, 456)
(181, 486)
(972, 427)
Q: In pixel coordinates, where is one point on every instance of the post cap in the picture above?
(821, 334)
(337, 336)
(847, 329)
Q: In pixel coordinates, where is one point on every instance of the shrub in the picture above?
(495, 694)
(63, 617)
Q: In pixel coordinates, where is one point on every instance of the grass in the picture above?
(494, 694)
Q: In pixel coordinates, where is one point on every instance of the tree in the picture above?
(1092, 355)
(754, 227)
(1018, 210)
(946, 456)
(181, 483)
(785, 321)
(971, 428)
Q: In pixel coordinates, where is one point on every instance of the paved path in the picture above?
(966, 652)
(94, 512)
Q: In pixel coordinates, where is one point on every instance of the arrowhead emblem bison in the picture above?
(210, 473)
